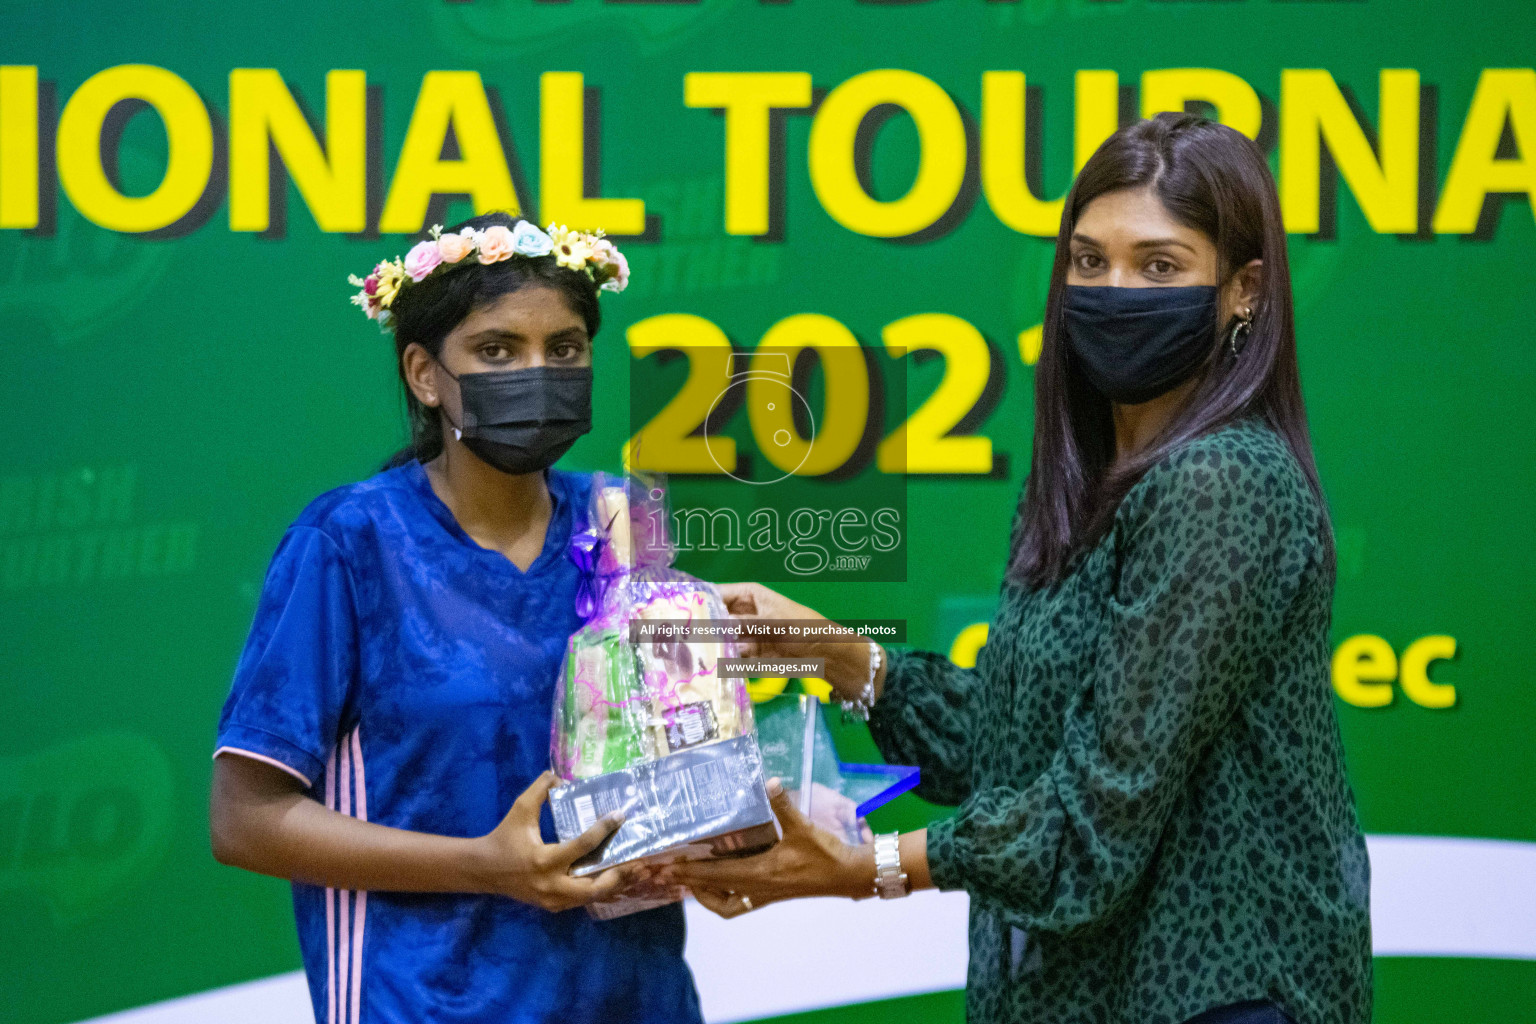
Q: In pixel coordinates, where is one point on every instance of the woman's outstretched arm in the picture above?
(806, 862)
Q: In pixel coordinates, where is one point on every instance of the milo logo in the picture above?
(83, 820)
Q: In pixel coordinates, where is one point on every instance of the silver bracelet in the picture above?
(890, 880)
(859, 706)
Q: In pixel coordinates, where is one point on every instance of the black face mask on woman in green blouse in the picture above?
(1134, 344)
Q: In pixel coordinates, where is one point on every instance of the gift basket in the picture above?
(644, 723)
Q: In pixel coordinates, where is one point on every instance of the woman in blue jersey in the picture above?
(385, 740)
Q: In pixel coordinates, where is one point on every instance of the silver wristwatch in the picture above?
(890, 880)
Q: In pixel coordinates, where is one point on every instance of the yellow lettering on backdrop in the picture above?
(923, 443)
(264, 115)
(562, 178)
(1097, 114)
(1385, 184)
(1003, 134)
(942, 153)
(1502, 94)
(845, 407)
(1236, 102)
(668, 442)
(1415, 671)
(766, 688)
(1363, 669)
(18, 147)
(968, 644)
(189, 135)
(329, 168)
(747, 97)
(818, 688)
(1003, 178)
(456, 100)
(1031, 341)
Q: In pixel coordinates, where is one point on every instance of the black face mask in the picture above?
(522, 421)
(1134, 344)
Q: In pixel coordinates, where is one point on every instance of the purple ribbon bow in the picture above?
(592, 585)
(586, 549)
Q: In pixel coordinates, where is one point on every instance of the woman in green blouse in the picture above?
(1153, 824)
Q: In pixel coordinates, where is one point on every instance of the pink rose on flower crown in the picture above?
(614, 265)
(453, 248)
(422, 260)
(495, 244)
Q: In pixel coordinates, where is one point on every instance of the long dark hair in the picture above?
(426, 313)
(1215, 180)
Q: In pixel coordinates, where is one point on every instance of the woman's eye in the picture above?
(494, 352)
(1086, 261)
(1163, 268)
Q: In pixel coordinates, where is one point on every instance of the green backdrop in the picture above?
(178, 386)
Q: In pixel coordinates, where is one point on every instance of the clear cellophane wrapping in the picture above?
(620, 704)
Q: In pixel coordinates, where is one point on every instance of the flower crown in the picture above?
(592, 254)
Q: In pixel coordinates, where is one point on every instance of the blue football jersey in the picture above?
(406, 675)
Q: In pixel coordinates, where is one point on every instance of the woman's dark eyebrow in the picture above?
(1149, 243)
(494, 333)
(1153, 243)
(503, 334)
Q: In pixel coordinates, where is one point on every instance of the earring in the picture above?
(1237, 338)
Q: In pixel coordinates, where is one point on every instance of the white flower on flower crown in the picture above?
(528, 240)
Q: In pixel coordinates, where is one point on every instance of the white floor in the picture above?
(1430, 896)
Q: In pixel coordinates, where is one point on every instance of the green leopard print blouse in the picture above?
(1153, 817)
